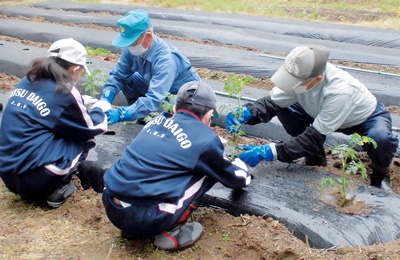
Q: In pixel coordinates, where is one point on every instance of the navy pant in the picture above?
(135, 88)
(147, 221)
(35, 184)
(39, 183)
(378, 127)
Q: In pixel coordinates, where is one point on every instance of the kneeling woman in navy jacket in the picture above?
(46, 129)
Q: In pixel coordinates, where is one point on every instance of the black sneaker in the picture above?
(381, 180)
(180, 237)
(60, 195)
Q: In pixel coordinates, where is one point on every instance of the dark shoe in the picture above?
(83, 177)
(141, 121)
(316, 159)
(60, 195)
(180, 237)
(381, 180)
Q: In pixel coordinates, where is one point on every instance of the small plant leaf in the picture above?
(351, 164)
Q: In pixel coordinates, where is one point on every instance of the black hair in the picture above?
(198, 110)
(52, 68)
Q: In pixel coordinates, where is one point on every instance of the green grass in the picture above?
(287, 9)
(262, 7)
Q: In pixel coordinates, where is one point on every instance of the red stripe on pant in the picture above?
(187, 213)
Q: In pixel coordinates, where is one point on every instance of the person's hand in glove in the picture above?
(108, 95)
(119, 115)
(89, 101)
(232, 122)
(103, 105)
(255, 153)
(239, 163)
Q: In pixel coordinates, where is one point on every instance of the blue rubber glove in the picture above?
(108, 95)
(255, 153)
(119, 115)
(232, 121)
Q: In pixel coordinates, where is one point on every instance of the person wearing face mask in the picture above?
(46, 130)
(313, 98)
(148, 68)
(152, 189)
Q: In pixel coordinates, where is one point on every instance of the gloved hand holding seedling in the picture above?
(238, 115)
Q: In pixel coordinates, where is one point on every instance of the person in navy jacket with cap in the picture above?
(152, 189)
(148, 68)
(46, 129)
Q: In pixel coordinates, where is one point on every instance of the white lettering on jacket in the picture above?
(181, 137)
(39, 103)
(19, 92)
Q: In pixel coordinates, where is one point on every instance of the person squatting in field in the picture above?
(312, 99)
(148, 68)
(151, 191)
(46, 129)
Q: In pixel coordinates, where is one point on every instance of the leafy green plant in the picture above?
(234, 86)
(97, 79)
(94, 82)
(166, 106)
(94, 53)
(351, 164)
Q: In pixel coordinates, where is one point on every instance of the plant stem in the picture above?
(344, 162)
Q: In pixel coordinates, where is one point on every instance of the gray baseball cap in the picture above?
(302, 63)
(198, 93)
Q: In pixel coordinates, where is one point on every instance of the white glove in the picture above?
(103, 105)
(89, 101)
(223, 141)
(239, 163)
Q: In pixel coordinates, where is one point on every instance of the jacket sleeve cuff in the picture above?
(273, 150)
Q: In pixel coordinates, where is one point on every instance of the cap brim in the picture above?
(215, 115)
(87, 70)
(122, 42)
(284, 80)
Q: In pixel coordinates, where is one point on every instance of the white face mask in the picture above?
(301, 88)
(137, 50)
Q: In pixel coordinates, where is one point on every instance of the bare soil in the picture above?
(80, 228)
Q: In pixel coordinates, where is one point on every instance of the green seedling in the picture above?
(351, 164)
(126, 122)
(95, 53)
(166, 106)
(97, 79)
(94, 82)
(234, 86)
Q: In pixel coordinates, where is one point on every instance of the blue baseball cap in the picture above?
(131, 27)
